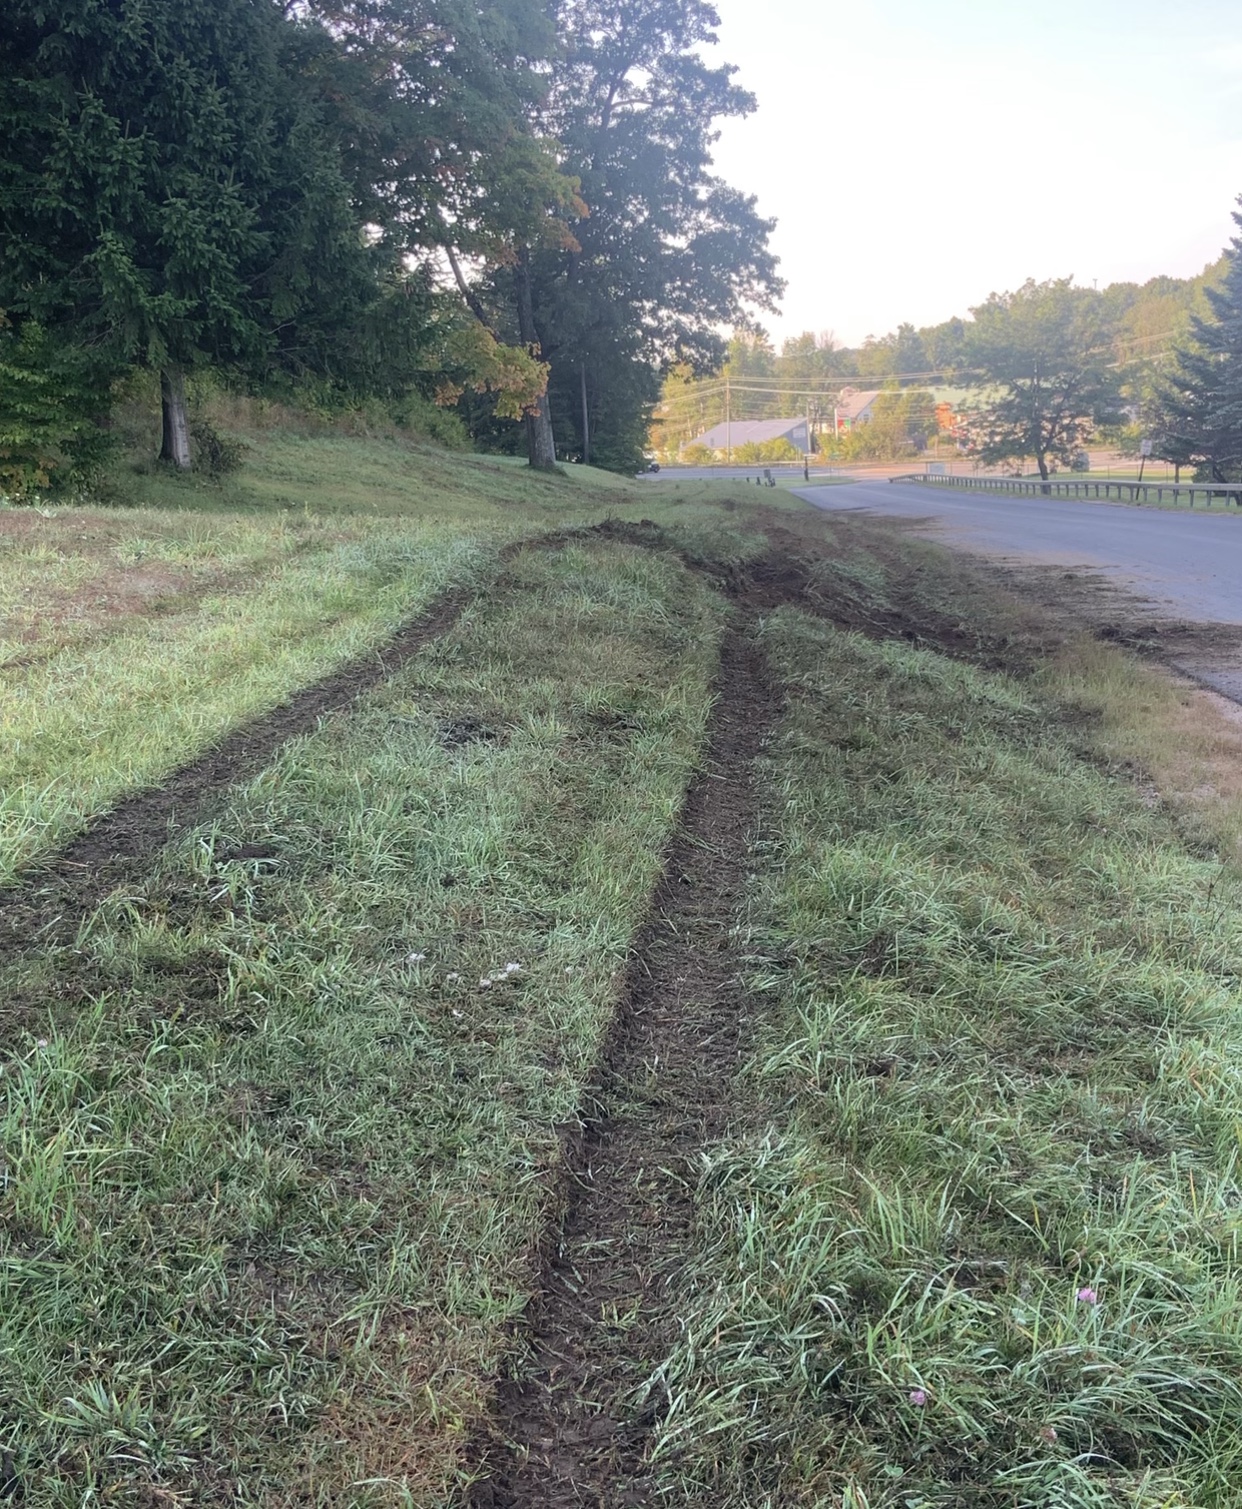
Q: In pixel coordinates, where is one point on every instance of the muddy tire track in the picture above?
(52, 897)
(561, 1434)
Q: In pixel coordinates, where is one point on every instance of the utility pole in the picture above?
(586, 419)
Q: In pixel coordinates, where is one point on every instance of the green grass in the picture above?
(982, 1245)
(276, 1157)
(136, 636)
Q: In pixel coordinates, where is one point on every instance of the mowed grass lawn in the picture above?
(283, 1125)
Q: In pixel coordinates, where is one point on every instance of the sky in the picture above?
(921, 154)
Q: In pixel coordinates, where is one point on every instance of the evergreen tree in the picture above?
(169, 191)
(1198, 417)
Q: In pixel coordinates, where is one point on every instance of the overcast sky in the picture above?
(920, 154)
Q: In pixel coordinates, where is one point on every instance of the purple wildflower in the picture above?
(918, 1397)
(1087, 1296)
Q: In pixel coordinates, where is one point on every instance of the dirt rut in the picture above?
(561, 1434)
(52, 898)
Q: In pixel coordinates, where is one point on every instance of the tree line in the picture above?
(1040, 371)
(505, 209)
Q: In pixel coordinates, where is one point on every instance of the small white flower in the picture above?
(42, 1043)
(452, 979)
(485, 983)
(512, 969)
(415, 958)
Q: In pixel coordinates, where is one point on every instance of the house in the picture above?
(853, 407)
(733, 433)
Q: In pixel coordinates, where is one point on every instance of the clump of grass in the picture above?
(986, 1250)
(280, 1129)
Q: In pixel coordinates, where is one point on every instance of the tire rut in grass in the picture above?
(562, 1434)
(54, 895)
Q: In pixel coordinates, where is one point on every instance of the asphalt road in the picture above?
(1188, 566)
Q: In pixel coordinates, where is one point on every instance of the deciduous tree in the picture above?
(1043, 357)
(668, 253)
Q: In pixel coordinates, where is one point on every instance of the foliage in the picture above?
(753, 452)
(168, 184)
(1043, 356)
(1143, 321)
(1198, 408)
(902, 422)
(217, 454)
(667, 252)
(243, 184)
(51, 399)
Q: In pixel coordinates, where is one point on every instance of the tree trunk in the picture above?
(176, 442)
(1042, 462)
(540, 443)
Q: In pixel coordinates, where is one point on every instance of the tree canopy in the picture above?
(471, 199)
(169, 191)
(1043, 355)
(663, 253)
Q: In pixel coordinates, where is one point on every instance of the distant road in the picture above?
(1187, 565)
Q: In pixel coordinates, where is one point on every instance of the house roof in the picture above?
(853, 401)
(747, 431)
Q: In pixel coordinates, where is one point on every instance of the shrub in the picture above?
(54, 399)
(769, 452)
(214, 453)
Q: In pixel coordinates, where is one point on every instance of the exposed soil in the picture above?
(562, 1434)
(1090, 600)
(51, 899)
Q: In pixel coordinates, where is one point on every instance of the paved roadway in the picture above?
(1187, 565)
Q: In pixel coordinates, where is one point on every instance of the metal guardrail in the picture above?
(1086, 487)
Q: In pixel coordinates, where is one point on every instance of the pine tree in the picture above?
(169, 191)
(1199, 407)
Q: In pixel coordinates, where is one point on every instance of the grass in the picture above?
(1183, 743)
(981, 1245)
(282, 1126)
(280, 1131)
(135, 636)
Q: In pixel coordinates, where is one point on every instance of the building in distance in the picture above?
(731, 435)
